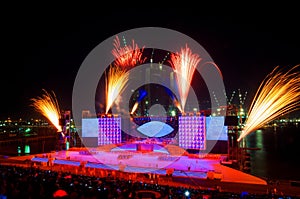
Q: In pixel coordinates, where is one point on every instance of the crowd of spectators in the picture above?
(31, 182)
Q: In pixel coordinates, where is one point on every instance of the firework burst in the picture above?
(116, 82)
(184, 65)
(48, 106)
(127, 56)
(277, 95)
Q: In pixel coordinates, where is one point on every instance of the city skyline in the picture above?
(48, 55)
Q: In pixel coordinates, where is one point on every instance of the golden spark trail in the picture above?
(135, 106)
(277, 95)
(127, 56)
(116, 82)
(48, 106)
(177, 104)
(184, 65)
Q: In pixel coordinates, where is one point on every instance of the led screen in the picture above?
(191, 131)
(109, 130)
(90, 127)
(215, 128)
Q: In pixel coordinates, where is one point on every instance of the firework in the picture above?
(184, 65)
(135, 106)
(127, 56)
(116, 82)
(177, 104)
(142, 94)
(277, 95)
(48, 106)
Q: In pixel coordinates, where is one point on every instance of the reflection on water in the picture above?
(17, 149)
(259, 139)
(278, 157)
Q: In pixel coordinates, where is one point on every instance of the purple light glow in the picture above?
(109, 130)
(191, 131)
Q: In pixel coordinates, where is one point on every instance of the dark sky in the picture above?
(44, 48)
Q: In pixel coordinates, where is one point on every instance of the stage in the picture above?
(116, 158)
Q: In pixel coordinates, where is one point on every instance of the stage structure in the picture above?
(64, 135)
(109, 129)
(191, 131)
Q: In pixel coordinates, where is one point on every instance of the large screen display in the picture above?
(90, 127)
(215, 128)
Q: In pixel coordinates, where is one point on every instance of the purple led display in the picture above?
(191, 132)
(109, 130)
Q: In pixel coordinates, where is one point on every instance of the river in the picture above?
(278, 157)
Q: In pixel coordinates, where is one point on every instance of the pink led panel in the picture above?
(109, 130)
(191, 132)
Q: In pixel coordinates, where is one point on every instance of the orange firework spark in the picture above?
(48, 106)
(135, 106)
(127, 56)
(184, 65)
(115, 84)
(177, 104)
(276, 96)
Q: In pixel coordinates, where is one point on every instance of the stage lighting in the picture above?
(192, 132)
(109, 130)
(187, 193)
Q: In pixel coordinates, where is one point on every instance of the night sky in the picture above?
(44, 48)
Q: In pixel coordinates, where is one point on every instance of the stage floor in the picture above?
(181, 166)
